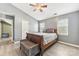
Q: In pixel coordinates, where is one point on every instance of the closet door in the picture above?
(0, 29)
(25, 28)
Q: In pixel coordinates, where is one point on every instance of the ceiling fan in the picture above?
(38, 6)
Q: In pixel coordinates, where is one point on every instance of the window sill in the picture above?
(63, 34)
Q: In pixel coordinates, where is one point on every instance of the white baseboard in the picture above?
(69, 44)
(17, 42)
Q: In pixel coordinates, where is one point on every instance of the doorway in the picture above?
(6, 29)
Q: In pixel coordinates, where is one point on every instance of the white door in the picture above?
(0, 30)
(25, 28)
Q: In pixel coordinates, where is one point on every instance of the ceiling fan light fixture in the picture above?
(39, 6)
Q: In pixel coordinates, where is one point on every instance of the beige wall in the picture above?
(6, 28)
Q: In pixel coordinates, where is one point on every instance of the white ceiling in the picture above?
(59, 8)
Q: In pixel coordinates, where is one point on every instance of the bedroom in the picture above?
(62, 21)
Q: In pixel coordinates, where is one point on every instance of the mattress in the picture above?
(48, 37)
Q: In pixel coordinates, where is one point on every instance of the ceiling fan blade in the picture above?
(41, 10)
(44, 6)
(31, 5)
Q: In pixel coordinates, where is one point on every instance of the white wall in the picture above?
(19, 16)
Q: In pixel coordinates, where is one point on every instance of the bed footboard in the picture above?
(38, 39)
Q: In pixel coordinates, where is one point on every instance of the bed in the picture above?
(45, 40)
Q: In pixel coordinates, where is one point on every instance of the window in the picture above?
(42, 25)
(62, 27)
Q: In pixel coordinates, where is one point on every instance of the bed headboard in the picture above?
(50, 30)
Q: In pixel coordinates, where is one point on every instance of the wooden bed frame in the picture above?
(39, 40)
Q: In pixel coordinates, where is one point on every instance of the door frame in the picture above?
(4, 13)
